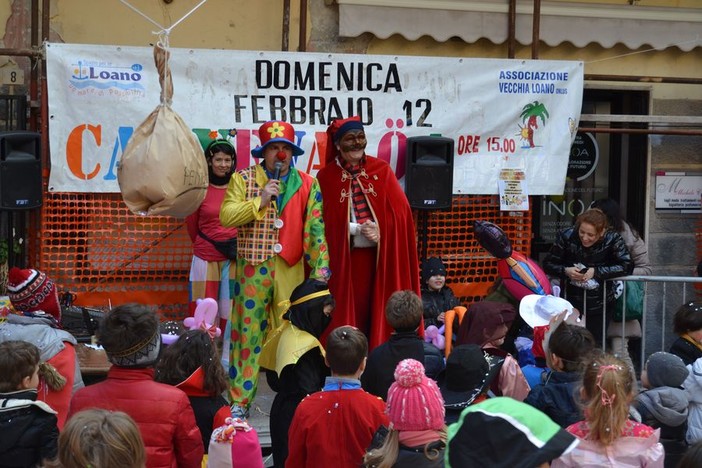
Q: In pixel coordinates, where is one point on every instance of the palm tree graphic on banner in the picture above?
(530, 115)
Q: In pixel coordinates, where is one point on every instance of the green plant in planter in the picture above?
(4, 251)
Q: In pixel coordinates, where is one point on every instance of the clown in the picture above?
(278, 211)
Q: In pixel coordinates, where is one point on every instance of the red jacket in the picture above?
(162, 412)
(334, 428)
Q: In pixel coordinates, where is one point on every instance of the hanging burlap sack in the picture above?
(163, 170)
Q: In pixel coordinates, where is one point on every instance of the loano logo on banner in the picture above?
(516, 111)
(97, 78)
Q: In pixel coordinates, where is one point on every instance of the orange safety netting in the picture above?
(93, 246)
(471, 270)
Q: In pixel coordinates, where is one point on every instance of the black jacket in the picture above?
(28, 431)
(436, 302)
(609, 257)
(687, 351)
(380, 368)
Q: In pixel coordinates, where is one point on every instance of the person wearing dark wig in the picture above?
(369, 229)
(294, 358)
(192, 365)
(212, 274)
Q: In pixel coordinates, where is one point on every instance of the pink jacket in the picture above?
(625, 452)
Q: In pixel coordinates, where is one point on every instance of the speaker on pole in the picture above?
(20, 170)
(429, 175)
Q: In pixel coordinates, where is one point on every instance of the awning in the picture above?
(577, 23)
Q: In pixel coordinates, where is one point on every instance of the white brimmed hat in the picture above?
(538, 310)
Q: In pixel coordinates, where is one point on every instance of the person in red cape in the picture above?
(370, 232)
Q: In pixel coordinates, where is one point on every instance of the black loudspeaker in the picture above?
(429, 175)
(20, 170)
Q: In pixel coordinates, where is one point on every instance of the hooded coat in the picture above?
(693, 389)
(28, 430)
(666, 408)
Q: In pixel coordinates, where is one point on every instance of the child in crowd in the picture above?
(505, 433)
(334, 427)
(437, 298)
(100, 438)
(28, 428)
(192, 365)
(607, 436)
(467, 378)
(417, 436)
(693, 389)
(486, 325)
(294, 358)
(35, 296)
(687, 324)
(568, 347)
(663, 404)
(403, 312)
(130, 335)
(537, 313)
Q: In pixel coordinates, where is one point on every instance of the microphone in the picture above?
(278, 166)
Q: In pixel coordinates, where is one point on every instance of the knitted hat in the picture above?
(432, 266)
(502, 432)
(414, 402)
(276, 131)
(469, 372)
(336, 130)
(666, 370)
(31, 290)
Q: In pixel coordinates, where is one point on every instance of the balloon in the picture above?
(522, 276)
(435, 336)
(493, 239)
(204, 318)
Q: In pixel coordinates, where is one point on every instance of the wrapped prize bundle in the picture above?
(163, 170)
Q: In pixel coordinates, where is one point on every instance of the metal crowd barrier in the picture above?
(663, 295)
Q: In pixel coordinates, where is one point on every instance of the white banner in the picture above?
(516, 113)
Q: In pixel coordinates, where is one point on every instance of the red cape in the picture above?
(397, 263)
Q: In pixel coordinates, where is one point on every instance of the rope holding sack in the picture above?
(183, 182)
(161, 51)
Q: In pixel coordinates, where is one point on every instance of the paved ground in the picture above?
(258, 417)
